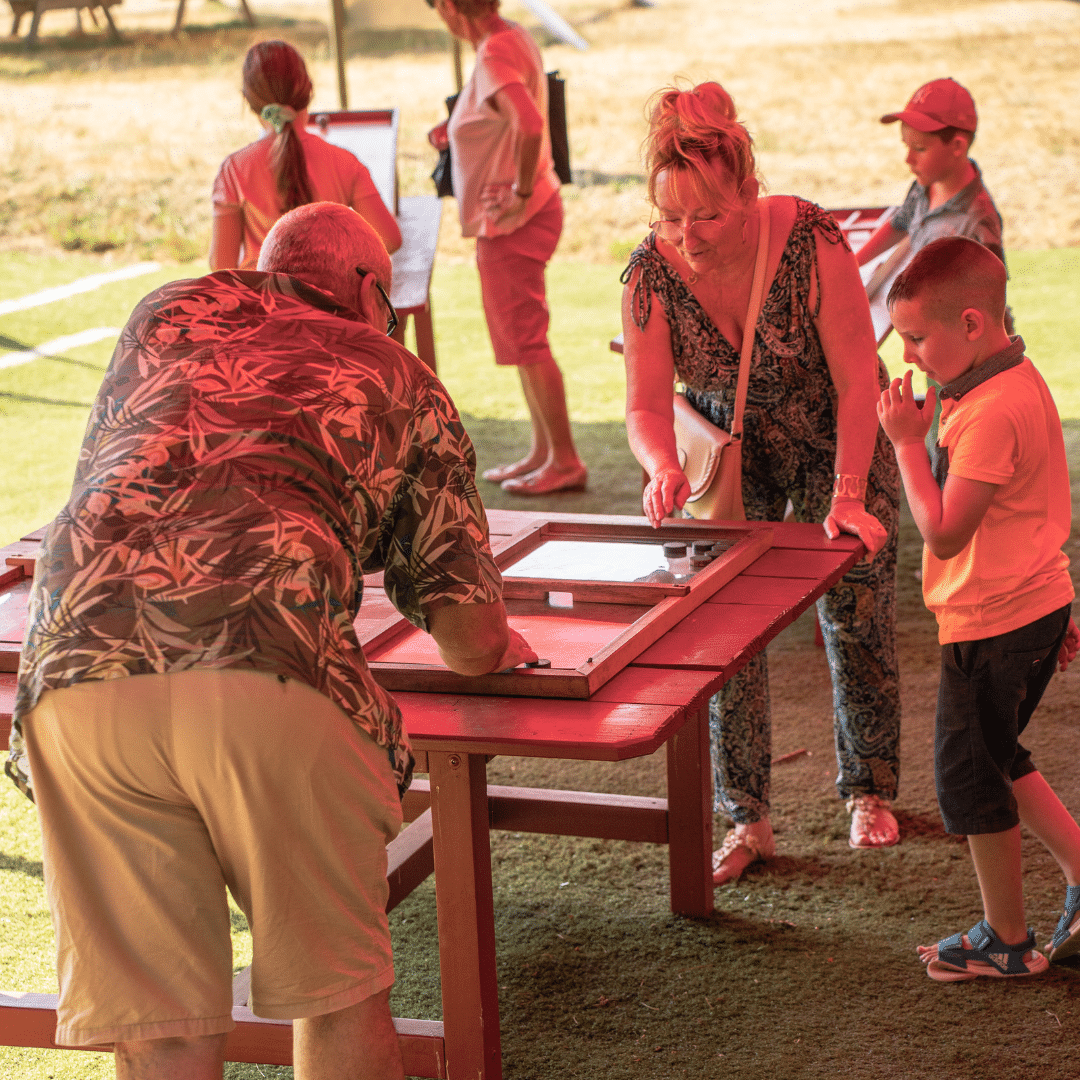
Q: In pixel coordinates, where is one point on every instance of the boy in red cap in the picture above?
(948, 197)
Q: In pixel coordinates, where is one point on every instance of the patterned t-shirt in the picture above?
(254, 450)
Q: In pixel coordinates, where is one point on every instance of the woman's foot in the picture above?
(508, 472)
(872, 822)
(548, 479)
(743, 845)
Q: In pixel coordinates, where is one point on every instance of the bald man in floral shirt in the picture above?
(194, 710)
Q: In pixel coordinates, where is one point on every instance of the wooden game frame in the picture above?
(666, 604)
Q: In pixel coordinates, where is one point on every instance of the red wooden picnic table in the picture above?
(660, 700)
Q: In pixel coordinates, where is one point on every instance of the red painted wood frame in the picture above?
(609, 625)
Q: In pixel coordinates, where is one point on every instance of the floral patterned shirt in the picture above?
(254, 450)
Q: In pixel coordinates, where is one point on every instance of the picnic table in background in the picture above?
(660, 700)
(371, 135)
(37, 8)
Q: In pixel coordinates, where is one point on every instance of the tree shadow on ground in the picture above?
(197, 45)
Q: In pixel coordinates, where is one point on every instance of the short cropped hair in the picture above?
(953, 273)
(947, 134)
(324, 244)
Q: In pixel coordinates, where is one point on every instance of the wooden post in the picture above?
(689, 782)
(459, 82)
(466, 914)
(337, 34)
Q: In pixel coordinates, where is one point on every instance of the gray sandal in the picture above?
(985, 954)
(1066, 939)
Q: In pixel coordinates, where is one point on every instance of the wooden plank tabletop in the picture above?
(419, 217)
(633, 714)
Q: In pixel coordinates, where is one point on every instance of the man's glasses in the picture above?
(391, 314)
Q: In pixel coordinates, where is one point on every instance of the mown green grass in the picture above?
(41, 437)
(41, 441)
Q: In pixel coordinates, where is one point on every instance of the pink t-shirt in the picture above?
(1006, 432)
(245, 186)
(482, 140)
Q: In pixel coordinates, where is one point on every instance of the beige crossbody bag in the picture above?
(711, 457)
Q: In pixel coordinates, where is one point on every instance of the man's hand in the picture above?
(1069, 647)
(475, 639)
(665, 493)
(850, 516)
(902, 417)
(518, 652)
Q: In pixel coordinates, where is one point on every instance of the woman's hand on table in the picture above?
(665, 493)
(438, 137)
(851, 516)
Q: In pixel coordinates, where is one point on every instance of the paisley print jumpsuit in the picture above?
(789, 451)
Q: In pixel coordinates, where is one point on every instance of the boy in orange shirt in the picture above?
(994, 511)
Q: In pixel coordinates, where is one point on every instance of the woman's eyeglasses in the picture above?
(391, 314)
(707, 229)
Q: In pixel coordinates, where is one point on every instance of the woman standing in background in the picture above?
(508, 198)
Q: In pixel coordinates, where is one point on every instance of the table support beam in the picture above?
(466, 914)
(30, 1020)
(690, 815)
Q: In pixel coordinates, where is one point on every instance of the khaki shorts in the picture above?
(155, 793)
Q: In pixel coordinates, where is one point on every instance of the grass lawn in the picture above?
(43, 406)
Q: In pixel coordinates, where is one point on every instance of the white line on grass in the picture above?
(86, 284)
(59, 345)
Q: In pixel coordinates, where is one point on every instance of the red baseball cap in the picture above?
(939, 104)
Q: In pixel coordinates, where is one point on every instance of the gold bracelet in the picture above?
(847, 486)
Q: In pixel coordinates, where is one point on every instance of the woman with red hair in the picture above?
(286, 168)
(810, 434)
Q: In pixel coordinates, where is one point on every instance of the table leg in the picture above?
(35, 22)
(466, 913)
(690, 816)
(425, 335)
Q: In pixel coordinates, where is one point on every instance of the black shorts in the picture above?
(989, 689)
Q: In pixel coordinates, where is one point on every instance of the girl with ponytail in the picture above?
(287, 168)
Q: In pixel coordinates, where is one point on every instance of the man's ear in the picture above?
(974, 323)
(369, 304)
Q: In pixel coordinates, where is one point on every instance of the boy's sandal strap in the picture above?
(988, 948)
(1072, 909)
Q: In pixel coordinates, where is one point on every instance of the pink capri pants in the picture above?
(512, 285)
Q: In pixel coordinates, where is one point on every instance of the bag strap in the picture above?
(750, 326)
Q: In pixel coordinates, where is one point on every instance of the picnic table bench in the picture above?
(37, 8)
(658, 701)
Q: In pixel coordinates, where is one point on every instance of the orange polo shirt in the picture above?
(1004, 430)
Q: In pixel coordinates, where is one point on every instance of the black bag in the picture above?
(560, 142)
(442, 175)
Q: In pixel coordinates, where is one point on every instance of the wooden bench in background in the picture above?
(37, 8)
